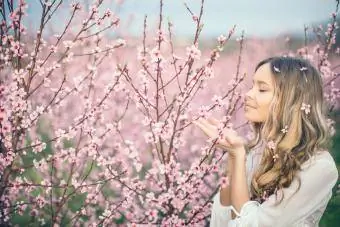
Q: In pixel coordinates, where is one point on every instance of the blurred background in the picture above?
(259, 19)
(270, 27)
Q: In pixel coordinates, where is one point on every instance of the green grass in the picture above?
(331, 216)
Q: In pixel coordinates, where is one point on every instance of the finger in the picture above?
(206, 129)
(207, 124)
(199, 124)
(215, 130)
(230, 132)
(223, 145)
(229, 136)
(234, 139)
(213, 121)
(229, 140)
(211, 131)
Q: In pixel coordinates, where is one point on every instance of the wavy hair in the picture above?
(296, 84)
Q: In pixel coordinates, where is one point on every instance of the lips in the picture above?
(247, 105)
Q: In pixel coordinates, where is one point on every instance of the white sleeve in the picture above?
(317, 182)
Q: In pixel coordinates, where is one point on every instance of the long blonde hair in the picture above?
(296, 84)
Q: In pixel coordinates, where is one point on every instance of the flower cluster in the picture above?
(84, 118)
(306, 108)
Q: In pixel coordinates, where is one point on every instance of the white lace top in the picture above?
(304, 208)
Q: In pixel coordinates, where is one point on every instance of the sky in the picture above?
(259, 18)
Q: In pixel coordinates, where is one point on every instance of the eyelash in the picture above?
(260, 90)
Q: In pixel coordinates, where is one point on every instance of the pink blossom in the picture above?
(218, 100)
(90, 115)
(224, 182)
(271, 145)
(221, 39)
(193, 52)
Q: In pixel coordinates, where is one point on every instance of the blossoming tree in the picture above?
(93, 134)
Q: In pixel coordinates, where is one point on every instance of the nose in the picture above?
(249, 94)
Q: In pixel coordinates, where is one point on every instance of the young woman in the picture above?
(285, 175)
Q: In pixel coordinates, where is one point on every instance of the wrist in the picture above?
(238, 164)
(239, 159)
(229, 168)
(238, 155)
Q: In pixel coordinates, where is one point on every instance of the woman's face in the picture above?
(259, 97)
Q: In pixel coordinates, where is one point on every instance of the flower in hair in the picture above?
(303, 69)
(285, 129)
(275, 157)
(306, 108)
(265, 195)
(271, 145)
(276, 69)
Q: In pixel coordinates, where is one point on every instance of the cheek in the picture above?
(264, 99)
(264, 104)
(266, 109)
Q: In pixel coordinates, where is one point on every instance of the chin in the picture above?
(249, 117)
(252, 119)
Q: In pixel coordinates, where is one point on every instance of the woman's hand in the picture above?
(230, 140)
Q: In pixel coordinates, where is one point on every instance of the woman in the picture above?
(286, 178)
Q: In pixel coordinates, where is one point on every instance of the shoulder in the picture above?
(322, 156)
(321, 163)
